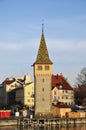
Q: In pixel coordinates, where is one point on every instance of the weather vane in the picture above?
(42, 25)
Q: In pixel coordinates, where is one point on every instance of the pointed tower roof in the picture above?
(43, 56)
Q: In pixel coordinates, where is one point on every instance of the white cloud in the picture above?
(29, 44)
(9, 46)
(66, 45)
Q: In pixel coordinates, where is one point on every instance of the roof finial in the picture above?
(43, 25)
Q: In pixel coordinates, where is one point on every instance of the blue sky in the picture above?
(20, 33)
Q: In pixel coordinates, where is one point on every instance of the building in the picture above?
(25, 94)
(14, 90)
(8, 95)
(42, 79)
(1, 94)
(61, 90)
(60, 110)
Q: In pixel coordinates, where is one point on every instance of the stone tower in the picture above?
(42, 79)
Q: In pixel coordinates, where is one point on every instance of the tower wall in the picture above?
(42, 80)
(42, 93)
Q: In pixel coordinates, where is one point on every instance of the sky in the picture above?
(20, 33)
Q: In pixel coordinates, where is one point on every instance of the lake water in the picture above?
(78, 127)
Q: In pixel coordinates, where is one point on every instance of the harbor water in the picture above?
(77, 127)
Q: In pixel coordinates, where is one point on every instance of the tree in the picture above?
(80, 95)
(81, 79)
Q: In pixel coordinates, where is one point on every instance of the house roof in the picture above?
(23, 86)
(7, 81)
(21, 80)
(58, 80)
(10, 81)
(42, 56)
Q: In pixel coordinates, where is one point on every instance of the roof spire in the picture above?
(42, 25)
(42, 56)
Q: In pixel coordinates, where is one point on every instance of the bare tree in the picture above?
(80, 95)
(81, 79)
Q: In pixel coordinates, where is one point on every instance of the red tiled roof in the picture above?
(7, 81)
(58, 80)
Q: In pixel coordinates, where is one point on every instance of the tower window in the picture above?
(39, 67)
(42, 80)
(42, 99)
(46, 67)
(43, 89)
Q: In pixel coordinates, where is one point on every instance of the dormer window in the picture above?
(46, 67)
(60, 86)
(39, 67)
